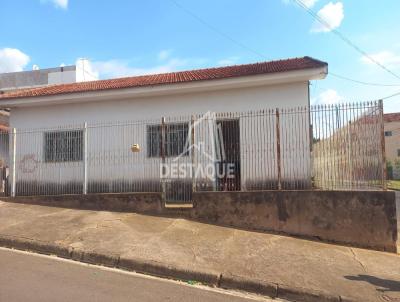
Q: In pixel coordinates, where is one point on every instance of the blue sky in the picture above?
(136, 37)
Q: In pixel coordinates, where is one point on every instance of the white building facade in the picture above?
(97, 127)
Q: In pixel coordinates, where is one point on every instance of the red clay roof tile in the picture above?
(391, 117)
(171, 78)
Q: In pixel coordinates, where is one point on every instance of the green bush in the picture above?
(389, 169)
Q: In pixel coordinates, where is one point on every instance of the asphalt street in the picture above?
(37, 278)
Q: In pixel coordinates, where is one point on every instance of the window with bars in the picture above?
(174, 142)
(63, 146)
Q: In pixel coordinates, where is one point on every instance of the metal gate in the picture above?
(177, 156)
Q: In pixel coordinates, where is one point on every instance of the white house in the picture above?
(54, 120)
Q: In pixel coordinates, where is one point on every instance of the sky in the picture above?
(121, 38)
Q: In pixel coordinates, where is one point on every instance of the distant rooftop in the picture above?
(45, 70)
(391, 117)
(12, 81)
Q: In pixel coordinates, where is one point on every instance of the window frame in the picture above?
(154, 149)
(70, 140)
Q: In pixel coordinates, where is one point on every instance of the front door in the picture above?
(228, 178)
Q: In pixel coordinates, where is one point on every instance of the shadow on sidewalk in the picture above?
(384, 284)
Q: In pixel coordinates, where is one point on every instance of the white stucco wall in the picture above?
(137, 165)
(242, 99)
(62, 77)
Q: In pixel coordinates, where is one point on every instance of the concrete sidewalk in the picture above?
(272, 265)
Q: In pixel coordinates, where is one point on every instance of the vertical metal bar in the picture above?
(262, 151)
(162, 149)
(313, 149)
(383, 161)
(278, 148)
(349, 152)
(85, 158)
(193, 120)
(14, 157)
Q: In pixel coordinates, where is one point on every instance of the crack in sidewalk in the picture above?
(358, 260)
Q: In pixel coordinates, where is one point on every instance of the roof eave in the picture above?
(303, 75)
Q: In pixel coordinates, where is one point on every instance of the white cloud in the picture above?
(332, 14)
(164, 54)
(327, 97)
(58, 3)
(120, 68)
(308, 3)
(385, 57)
(228, 61)
(117, 68)
(12, 59)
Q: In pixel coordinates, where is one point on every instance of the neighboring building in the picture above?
(4, 120)
(392, 142)
(43, 77)
(4, 150)
(177, 96)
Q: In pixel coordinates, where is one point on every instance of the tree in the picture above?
(396, 169)
(389, 169)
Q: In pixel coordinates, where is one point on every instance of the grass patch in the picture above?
(393, 184)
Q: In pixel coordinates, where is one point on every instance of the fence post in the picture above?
(162, 149)
(383, 149)
(85, 158)
(14, 159)
(278, 149)
(193, 153)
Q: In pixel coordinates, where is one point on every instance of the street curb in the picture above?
(254, 286)
(305, 295)
(161, 270)
(225, 281)
(140, 266)
(36, 246)
(275, 290)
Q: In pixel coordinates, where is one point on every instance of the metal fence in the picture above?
(348, 146)
(320, 147)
